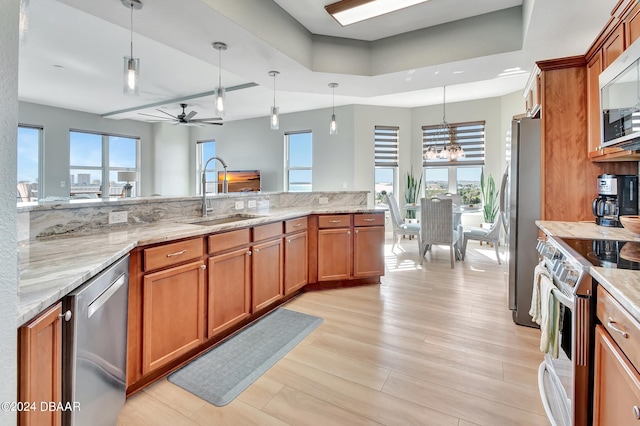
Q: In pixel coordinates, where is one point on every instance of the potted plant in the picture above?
(411, 193)
(489, 199)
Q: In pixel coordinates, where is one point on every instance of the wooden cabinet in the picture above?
(296, 247)
(616, 384)
(229, 296)
(632, 25)
(613, 46)
(40, 367)
(350, 246)
(368, 251)
(616, 397)
(266, 273)
(173, 314)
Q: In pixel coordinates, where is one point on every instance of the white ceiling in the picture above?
(73, 55)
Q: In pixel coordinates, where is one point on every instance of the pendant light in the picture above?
(219, 91)
(445, 133)
(333, 127)
(275, 121)
(131, 64)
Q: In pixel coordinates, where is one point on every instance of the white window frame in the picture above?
(288, 168)
(105, 168)
(40, 182)
(386, 152)
(200, 160)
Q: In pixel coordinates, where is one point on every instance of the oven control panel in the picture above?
(560, 265)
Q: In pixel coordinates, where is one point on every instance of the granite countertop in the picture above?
(622, 284)
(51, 268)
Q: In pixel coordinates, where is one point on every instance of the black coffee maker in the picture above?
(617, 196)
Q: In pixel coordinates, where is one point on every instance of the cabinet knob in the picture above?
(203, 266)
(249, 253)
(357, 231)
(65, 316)
(636, 412)
(256, 250)
(289, 240)
(348, 232)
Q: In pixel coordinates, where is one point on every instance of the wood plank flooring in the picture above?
(430, 345)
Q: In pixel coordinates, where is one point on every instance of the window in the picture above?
(204, 151)
(461, 176)
(386, 161)
(29, 149)
(97, 158)
(298, 161)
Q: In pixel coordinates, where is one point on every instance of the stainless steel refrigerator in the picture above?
(520, 207)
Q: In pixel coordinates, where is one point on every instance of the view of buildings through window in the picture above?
(464, 181)
(298, 161)
(29, 141)
(97, 158)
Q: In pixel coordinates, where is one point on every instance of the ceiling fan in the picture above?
(184, 118)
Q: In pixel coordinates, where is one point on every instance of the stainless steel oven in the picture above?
(564, 381)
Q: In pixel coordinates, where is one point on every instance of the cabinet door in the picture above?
(632, 25)
(173, 314)
(295, 262)
(229, 289)
(266, 273)
(594, 68)
(40, 366)
(616, 399)
(334, 254)
(368, 254)
(613, 46)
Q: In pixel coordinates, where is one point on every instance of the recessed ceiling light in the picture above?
(458, 72)
(348, 12)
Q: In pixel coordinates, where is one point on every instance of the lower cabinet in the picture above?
(295, 262)
(368, 251)
(616, 386)
(173, 313)
(40, 367)
(266, 273)
(334, 254)
(229, 296)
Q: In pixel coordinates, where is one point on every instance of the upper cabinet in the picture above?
(622, 29)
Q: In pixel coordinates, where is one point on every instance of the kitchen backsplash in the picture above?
(68, 218)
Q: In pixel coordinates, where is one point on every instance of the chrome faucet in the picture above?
(205, 210)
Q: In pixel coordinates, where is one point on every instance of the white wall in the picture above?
(172, 168)
(8, 224)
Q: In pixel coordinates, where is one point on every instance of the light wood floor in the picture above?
(429, 346)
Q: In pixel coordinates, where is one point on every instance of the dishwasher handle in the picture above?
(106, 295)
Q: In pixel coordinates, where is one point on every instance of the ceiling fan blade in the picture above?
(155, 116)
(198, 120)
(165, 112)
(212, 124)
(191, 114)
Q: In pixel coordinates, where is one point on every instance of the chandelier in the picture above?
(446, 135)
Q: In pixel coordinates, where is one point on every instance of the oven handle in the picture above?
(543, 393)
(562, 298)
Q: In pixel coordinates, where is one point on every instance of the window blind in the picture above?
(470, 136)
(386, 146)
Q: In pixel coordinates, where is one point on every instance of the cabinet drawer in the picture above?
(172, 254)
(295, 225)
(371, 219)
(264, 232)
(334, 221)
(618, 321)
(228, 240)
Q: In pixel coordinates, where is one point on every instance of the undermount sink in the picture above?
(220, 221)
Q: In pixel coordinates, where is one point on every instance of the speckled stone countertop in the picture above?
(585, 230)
(623, 284)
(50, 268)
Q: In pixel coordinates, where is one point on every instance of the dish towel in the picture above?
(539, 270)
(549, 317)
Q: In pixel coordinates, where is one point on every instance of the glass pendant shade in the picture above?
(131, 75)
(219, 101)
(275, 121)
(333, 127)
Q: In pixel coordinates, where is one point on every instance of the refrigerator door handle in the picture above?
(503, 199)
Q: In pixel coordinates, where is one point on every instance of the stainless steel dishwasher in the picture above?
(95, 347)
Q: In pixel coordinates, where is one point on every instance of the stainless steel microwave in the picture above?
(620, 100)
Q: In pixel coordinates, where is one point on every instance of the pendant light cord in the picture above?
(220, 67)
(131, 30)
(274, 90)
(333, 101)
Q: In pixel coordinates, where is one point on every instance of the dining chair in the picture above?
(491, 235)
(455, 198)
(436, 223)
(401, 228)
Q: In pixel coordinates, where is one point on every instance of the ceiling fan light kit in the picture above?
(131, 63)
(348, 12)
(219, 91)
(275, 119)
